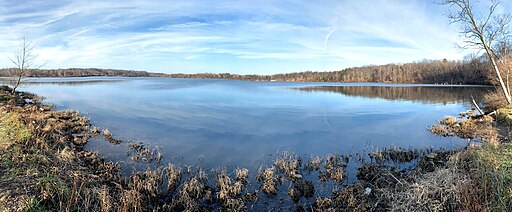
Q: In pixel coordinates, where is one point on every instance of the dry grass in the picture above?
(335, 166)
(448, 121)
(144, 152)
(105, 199)
(351, 198)
(314, 163)
(396, 154)
(173, 177)
(439, 129)
(435, 191)
(95, 131)
(107, 134)
(290, 164)
(494, 165)
(494, 100)
(44, 168)
(482, 127)
(269, 180)
(193, 188)
(242, 174)
(301, 189)
(464, 184)
(323, 204)
(229, 192)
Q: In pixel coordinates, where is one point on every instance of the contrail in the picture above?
(326, 38)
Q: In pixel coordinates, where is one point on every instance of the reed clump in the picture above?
(95, 131)
(242, 174)
(269, 180)
(448, 121)
(144, 152)
(289, 164)
(173, 177)
(107, 134)
(109, 137)
(396, 154)
(229, 192)
(301, 189)
(467, 126)
(335, 166)
(314, 163)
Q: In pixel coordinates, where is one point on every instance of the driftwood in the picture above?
(476, 105)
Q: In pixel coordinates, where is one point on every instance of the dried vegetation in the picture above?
(43, 166)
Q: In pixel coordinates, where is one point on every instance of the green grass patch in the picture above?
(36, 205)
(505, 114)
(5, 98)
(12, 130)
(52, 185)
(494, 165)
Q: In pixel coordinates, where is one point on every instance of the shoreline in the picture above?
(355, 84)
(59, 144)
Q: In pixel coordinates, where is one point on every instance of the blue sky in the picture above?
(245, 37)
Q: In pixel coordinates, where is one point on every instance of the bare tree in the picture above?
(482, 32)
(23, 61)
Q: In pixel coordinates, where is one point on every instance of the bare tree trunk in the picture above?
(508, 80)
(23, 61)
(476, 106)
(17, 84)
(482, 32)
(498, 74)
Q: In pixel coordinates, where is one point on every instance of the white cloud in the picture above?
(163, 35)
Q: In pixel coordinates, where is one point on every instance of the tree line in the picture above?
(468, 71)
(79, 72)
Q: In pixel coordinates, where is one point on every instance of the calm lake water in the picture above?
(241, 123)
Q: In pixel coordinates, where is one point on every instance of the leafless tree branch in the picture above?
(23, 60)
(482, 32)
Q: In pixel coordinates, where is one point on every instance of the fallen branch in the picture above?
(476, 105)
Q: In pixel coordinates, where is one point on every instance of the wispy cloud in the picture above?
(227, 35)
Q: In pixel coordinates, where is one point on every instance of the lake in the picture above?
(226, 123)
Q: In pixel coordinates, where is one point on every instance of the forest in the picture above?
(80, 72)
(468, 71)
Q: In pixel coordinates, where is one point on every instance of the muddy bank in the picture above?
(43, 166)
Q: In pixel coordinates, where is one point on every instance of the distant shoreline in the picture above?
(99, 79)
(427, 72)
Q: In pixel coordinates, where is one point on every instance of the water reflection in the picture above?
(423, 94)
(241, 123)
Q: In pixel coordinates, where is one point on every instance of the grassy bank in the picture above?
(494, 170)
(485, 170)
(44, 167)
(41, 157)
